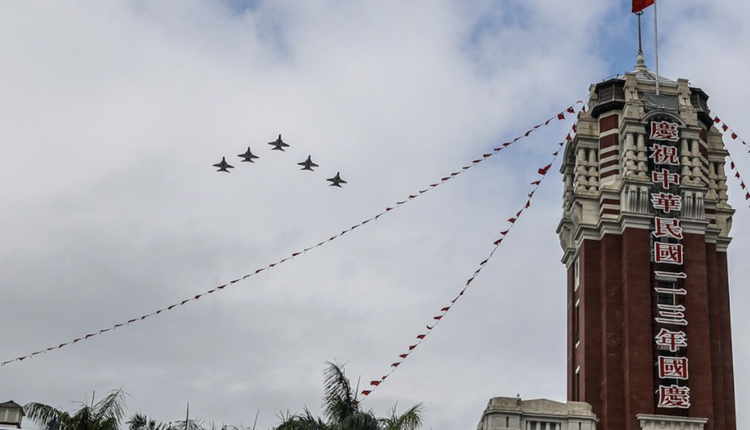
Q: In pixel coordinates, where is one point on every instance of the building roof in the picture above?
(10, 404)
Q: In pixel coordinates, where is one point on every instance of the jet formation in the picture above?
(278, 145)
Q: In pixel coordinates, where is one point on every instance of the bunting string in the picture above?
(728, 131)
(542, 171)
(732, 165)
(560, 116)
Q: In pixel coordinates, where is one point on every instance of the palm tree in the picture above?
(343, 411)
(104, 415)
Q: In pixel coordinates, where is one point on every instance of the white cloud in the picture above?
(113, 113)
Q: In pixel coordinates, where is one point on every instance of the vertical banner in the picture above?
(667, 258)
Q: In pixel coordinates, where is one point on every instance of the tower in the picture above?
(645, 231)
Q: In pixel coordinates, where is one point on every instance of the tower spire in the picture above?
(641, 61)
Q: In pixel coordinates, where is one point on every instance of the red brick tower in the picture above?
(645, 230)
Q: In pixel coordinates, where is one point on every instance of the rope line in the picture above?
(444, 311)
(485, 156)
(732, 165)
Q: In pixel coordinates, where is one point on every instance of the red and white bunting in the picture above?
(727, 130)
(513, 220)
(196, 297)
(732, 164)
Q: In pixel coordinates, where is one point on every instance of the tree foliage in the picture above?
(343, 411)
(103, 415)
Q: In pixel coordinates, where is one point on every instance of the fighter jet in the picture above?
(223, 166)
(248, 156)
(308, 164)
(278, 145)
(336, 181)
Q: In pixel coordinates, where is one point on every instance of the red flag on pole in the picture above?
(639, 5)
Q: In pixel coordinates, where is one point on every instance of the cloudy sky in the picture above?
(112, 113)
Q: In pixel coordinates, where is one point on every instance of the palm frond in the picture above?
(305, 421)
(412, 419)
(339, 401)
(109, 412)
(140, 421)
(43, 414)
(360, 421)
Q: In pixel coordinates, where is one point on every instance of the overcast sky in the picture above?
(112, 113)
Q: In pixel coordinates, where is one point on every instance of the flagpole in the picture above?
(656, 45)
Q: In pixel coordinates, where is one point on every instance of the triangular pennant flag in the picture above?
(737, 175)
(731, 165)
(717, 120)
(445, 309)
(571, 110)
(734, 136)
(437, 318)
(575, 129)
(547, 122)
(403, 355)
(528, 133)
(724, 127)
(497, 242)
(568, 138)
(394, 365)
(430, 327)
(366, 392)
(747, 196)
(543, 170)
(511, 220)
(561, 116)
(375, 383)
(504, 232)
(421, 336)
(411, 348)
(536, 182)
(742, 184)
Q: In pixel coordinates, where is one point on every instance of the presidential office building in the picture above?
(644, 231)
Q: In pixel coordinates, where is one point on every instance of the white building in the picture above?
(512, 413)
